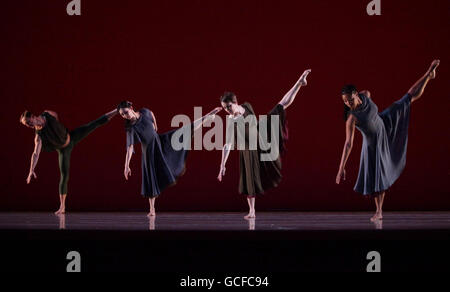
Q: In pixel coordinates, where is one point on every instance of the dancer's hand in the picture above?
(127, 172)
(31, 175)
(340, 175)
(221, 173)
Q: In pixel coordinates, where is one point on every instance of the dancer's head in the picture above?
(349, 93)
(125, 109)
(229, 103)
(27, 119)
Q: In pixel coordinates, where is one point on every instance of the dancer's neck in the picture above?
(240, 111)
(135, 116)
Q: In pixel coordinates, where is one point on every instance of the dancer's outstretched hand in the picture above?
(31, 175)
(127, 172)
(340, 176)
(221, 173)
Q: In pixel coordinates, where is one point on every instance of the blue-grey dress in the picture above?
(385, 139)
(161, 164)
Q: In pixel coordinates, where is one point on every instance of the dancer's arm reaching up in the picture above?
(34, 157)
(289, 97)
(127, 170)
(349, 136)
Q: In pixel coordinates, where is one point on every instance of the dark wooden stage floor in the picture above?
(225, 242)
(207, 221)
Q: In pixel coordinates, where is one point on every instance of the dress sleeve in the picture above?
(147, 112)
(131, 137)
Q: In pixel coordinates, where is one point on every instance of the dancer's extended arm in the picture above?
(289, 97)
(34, 157)
(349, 136)
(127, 170)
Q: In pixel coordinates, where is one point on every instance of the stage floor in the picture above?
(211, 241)
(219, 221)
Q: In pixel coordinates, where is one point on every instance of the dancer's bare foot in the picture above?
(250, 215)
(61, 210)
(432, 70)
(376, 217)
(151, 214)
(303, 81)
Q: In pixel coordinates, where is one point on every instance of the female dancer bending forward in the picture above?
(385, 137)
(162, 165)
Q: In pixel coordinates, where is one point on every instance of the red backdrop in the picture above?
(172, 56)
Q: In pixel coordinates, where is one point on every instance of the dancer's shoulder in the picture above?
(146, 111)
(248, 108)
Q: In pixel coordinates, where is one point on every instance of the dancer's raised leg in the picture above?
(208, 117)
(82, 132)
(417, 89)
(289, 97)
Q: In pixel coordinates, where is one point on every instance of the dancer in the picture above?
(162, 165)
(385, 137)
(52, 135)
(257, 176)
